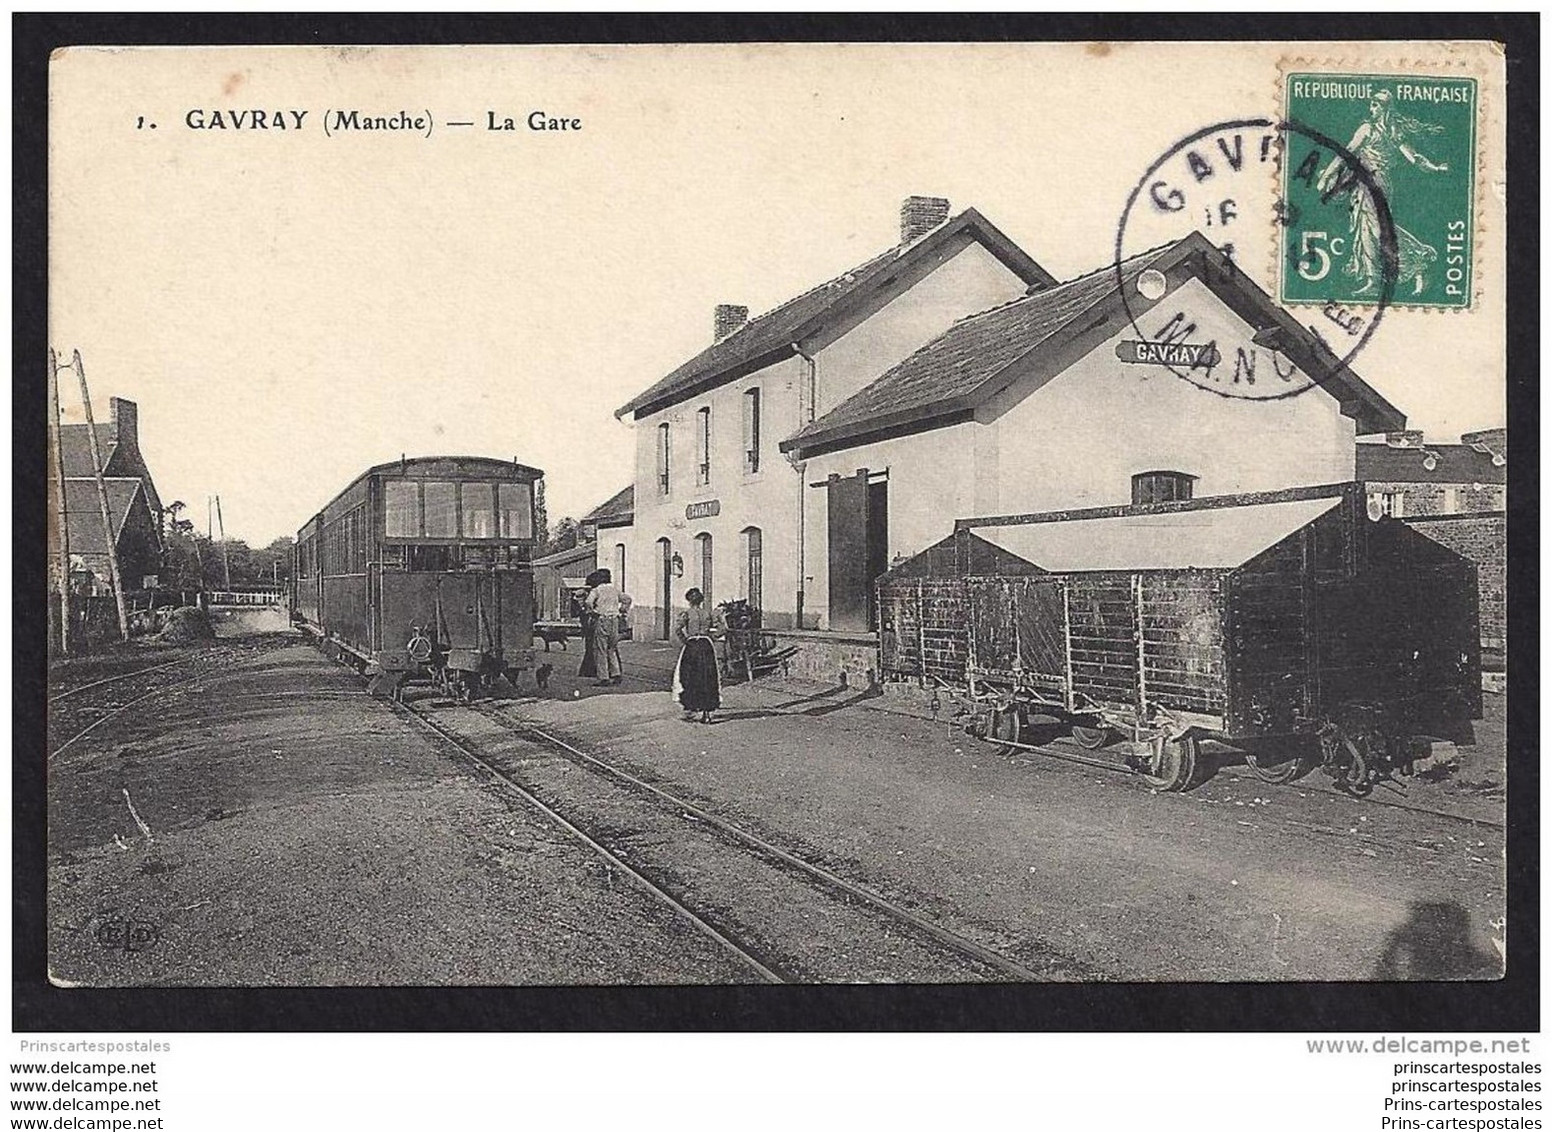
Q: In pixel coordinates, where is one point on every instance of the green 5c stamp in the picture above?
(1377, 190)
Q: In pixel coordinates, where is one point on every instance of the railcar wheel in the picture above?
(1093, 738)
(1173, 765)
(1279, 772)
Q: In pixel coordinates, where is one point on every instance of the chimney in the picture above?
(126, 420)
(728, 319)
(1409, 439)
(920, 215)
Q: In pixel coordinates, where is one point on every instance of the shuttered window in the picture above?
(703, 446)
(1162, 487)
(662, 458)
(751, 431)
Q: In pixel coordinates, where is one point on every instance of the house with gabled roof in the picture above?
(135, 509)
(898, 416)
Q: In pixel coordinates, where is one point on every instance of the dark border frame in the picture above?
(1510, 1005)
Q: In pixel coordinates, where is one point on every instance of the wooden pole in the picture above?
(108, 533)
(57, 468)
(226, 560)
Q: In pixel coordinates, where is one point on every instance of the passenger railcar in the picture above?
(1292, 625)
(421, 570)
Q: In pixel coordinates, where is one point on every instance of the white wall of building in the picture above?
(1078, 440)
(973, 280)
(767, 499)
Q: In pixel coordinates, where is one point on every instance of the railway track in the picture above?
(785, 917)
(1062, 752)
(76, 714)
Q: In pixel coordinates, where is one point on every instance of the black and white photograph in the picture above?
(813, 513)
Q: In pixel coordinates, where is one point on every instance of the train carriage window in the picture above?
(402, 507)
(515, 518)
(479, 510)
(441, 510)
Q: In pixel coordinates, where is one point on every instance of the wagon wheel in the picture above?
(1174, 763)
(1007, 727)
(1092, 738)
(1279, 772)
(463, 689)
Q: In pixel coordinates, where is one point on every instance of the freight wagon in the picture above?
(421, 570)
(1292, 625)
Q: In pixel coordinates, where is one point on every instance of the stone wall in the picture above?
(1480, 538)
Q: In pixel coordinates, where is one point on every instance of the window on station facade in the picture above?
(703, 543)
(619, 565)
(479, 510)
(703, 446)
(751, 431)
(402, 509)
(662, 458)
(515, 510)
(1162, 487)
(754, 567)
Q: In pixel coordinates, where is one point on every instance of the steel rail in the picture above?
(1316, 787)
(55, 697)
(652, 888)
(120, 709)
(952, 940)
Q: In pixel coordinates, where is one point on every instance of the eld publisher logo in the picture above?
(128, 935)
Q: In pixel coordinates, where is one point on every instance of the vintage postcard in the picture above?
(798, 513)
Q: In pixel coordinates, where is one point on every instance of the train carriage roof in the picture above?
(428, 467)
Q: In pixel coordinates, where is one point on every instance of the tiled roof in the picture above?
(83, 510)
(948, 371)
(750, 347)
(974, 359)
(1453, 463)
(76, 447)
(618, 508)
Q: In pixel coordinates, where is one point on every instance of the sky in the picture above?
(290, 307)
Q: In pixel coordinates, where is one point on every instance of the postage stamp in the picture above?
(1416, 138)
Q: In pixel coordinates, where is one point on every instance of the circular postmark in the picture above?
(1213, 202)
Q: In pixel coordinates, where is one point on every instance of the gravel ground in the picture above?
(270, 824)
(1236, 880)
(296, 832)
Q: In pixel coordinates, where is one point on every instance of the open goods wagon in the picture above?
(1291, 625)
(421, 570)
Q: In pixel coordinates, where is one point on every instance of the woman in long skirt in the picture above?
(696, 682)
(589, 666)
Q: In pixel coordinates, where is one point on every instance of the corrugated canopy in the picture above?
(1208, 539)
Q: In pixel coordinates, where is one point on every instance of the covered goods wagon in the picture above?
(1290, 624)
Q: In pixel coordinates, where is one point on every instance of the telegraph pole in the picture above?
(102, 498)
(57, 462)
(226, 560)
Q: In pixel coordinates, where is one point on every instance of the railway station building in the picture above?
(802, 452)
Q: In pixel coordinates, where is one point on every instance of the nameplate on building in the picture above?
(704, 509)
(1168, 353)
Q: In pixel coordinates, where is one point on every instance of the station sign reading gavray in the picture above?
(1186, 354)
(704, 509)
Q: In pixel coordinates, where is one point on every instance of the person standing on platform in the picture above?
(607, 602)
(696, 682)
(589, 619)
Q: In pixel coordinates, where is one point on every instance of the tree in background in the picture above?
(541, 518)
(567, 534)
